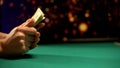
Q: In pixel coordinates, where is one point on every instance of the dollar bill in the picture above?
(38, 16)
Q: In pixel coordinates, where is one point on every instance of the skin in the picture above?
(20, 40)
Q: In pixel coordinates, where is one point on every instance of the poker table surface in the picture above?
(68, 55)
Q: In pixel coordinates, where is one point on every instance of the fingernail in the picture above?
(28, 20)
(38, 34)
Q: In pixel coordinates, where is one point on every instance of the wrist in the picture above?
(3, 35)
(1, 47)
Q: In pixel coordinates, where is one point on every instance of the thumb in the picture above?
(28, 23)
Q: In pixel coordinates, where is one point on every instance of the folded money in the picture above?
(38, 16)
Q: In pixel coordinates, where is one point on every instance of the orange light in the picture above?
(71, 19)
(52, 1)
(65, 39)
(47, 9)
(83, 27)
(74, 1)
(109, 14)
(1, 2)
(87, 14)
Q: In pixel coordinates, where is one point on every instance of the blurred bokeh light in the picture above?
(65, 19)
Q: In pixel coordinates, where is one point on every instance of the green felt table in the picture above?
(68, 55)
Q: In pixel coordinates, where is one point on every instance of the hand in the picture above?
(21, 39)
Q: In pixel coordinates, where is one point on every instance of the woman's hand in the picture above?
(21, 39)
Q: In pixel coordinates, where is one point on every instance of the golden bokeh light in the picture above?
(51, 1)
(47, 9)
(109, 14)
(83, 27)
(74, 1)
(87, 14)
(71, 19)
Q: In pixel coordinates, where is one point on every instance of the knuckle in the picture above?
(18, 28)
(20, 35)
(25, 49)
(32, 28)
(38, 34)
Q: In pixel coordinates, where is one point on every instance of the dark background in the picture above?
(64, 17)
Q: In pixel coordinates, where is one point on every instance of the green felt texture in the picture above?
(75, 55)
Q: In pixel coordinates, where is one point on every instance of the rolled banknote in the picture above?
(38, 16)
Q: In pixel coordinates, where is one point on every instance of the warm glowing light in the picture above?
(47, 9)
(65, 39)
(83, 27)
(87, 14)
(109, 14)
(1, 2)
(71, 19)
(52, 1)
(70, 14)
(74, 1)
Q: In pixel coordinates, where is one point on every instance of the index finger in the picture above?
(28, 23)
(27, 30)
